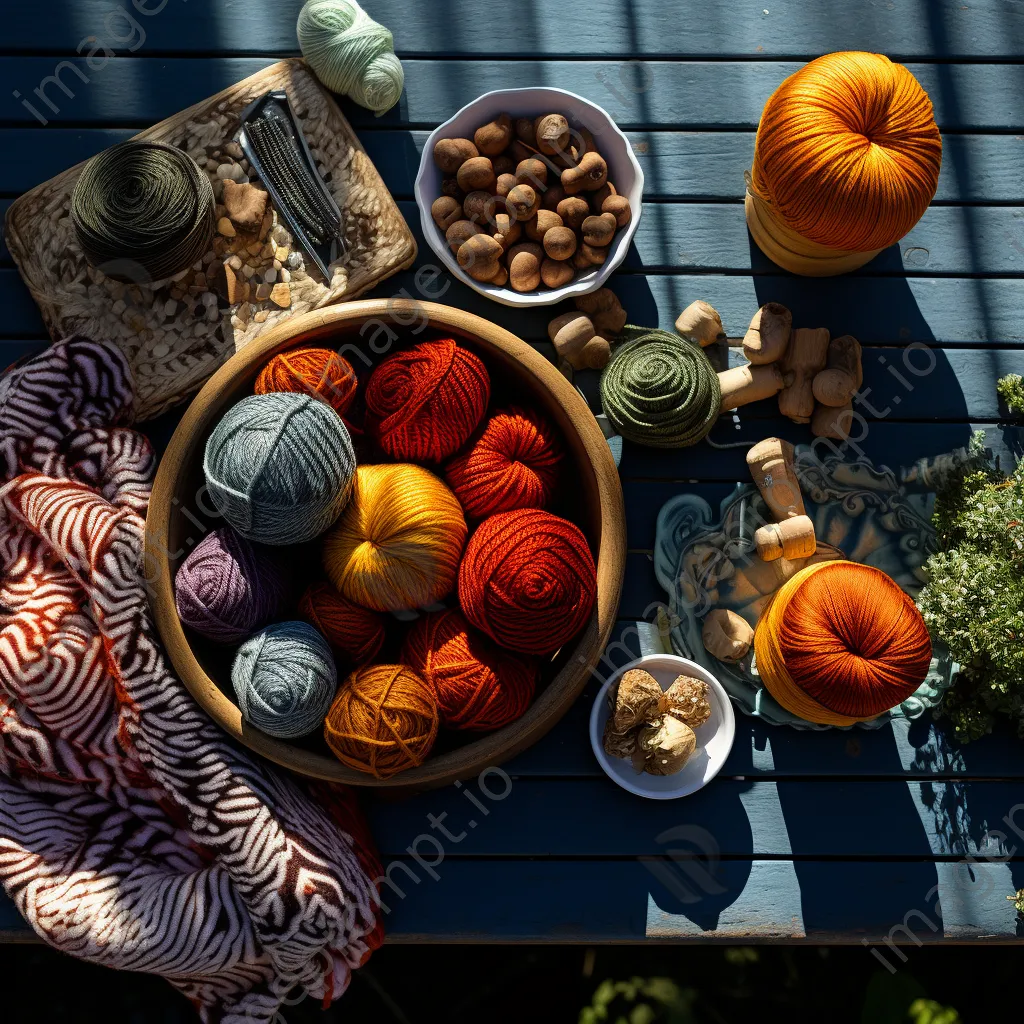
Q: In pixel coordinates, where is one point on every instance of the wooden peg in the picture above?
(843, 374)
(805, 356)
(791, 538)
(742, 385)
(768, 334)
(771, 464)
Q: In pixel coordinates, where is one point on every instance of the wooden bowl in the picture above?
(180, 513)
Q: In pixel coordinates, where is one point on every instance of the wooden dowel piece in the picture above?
(792, 538)
(843, 374)
(767, 336)
(742, 385)
(771, 464)
(805, 356)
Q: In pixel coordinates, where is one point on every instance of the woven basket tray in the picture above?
(177, 333)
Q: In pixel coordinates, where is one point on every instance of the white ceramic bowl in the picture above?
(714, 737)
(623, 171)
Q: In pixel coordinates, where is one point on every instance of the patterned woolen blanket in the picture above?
(133, 832)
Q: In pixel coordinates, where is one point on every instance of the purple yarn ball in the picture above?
(228, 588)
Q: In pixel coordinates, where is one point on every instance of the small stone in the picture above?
(270, 275)
(263, 292)
(234, 150)
(171, 307)
(281, 295)
(245, 204)
(161, 350)
(234, 261)
(199, 282)
(212, 314)
(255, 249)
(261, 316)
(227, 171)
(286, 275)
(267, 224)
(248, 272)
(237, 287)
(118, 307)
(244, 312)
(281, 252)
(209, 299)
(294, 261)
(226, 228)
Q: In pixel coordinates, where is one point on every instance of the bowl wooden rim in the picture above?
(561, 691)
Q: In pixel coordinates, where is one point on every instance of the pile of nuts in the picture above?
(532, 177)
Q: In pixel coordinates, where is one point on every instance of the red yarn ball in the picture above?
(478, 686)
(423, 404)
(514, 464)
(311, 371)
(355, 634)
(528, 580)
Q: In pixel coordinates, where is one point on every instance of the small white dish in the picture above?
(623, 171)
(714, 737)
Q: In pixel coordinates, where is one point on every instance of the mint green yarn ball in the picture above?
(351, 53)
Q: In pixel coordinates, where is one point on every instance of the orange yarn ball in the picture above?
(847, 152)
(528, 580)
(840, 643)
(355, 634)
(383, 720)
(514, 464)
(424, 403)
(478, 686)
(397, 544)
(311, 371)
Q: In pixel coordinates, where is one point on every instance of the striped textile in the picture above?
(133, 832)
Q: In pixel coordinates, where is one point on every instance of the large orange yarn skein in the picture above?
(840, 643)
(846, 161)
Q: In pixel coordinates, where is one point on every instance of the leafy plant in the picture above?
(640, 1001)
(974, 600)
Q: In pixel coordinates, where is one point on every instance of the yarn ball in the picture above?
(351, 53)
(397, 546)
(478, 686)
(528, 580)
(847, 151)
(227, 588)
(311, 371)
(423, 403)
(284, 679)
(383, 720)
(841, 643)
(355, 634)
(514, 464)
(279, 467)
(660, 390)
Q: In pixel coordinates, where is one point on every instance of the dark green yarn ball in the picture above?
(660, 390)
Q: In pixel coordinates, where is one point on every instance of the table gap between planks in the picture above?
(835, 836)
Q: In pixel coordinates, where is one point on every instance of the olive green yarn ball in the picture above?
(660, 390)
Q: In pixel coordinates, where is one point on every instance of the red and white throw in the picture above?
(133, 832)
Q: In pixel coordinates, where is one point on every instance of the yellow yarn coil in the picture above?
(398, 543)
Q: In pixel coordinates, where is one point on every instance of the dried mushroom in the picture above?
(687, 700)
(636, 700)
(619, 744)
(667, 745)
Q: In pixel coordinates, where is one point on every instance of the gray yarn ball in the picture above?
(280, 467)
(284, 678)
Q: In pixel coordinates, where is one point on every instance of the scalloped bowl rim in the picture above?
(590, 282)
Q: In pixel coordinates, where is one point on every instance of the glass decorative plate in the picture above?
(861, 512)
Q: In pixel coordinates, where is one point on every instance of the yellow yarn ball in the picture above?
(399, 541)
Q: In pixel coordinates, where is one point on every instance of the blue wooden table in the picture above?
(894, 836)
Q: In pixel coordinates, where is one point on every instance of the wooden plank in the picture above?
(913, 28)
(878, 311)
(802, 818)
(677, 165)
(713, 237)
(710, 165)
(925, 748)
(839, 901)
(710, 94)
